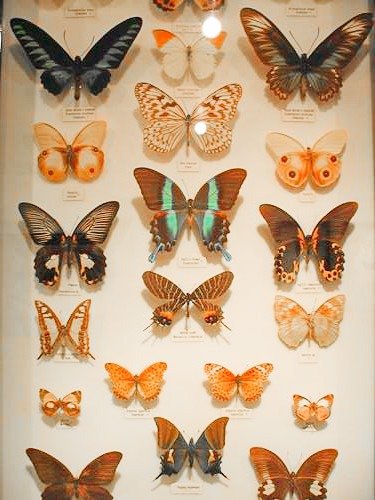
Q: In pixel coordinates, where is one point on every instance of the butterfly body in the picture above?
(60, 70)
(207, 450)
(323, 243)
(319, 72)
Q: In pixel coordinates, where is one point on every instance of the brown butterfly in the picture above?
(310, 413)
(69, 404)
(170, 5)
(319, 72)
(201, 297)
(322, 325)
(207, 450)
(83, 156)
(146, 385)
(62, 485)
(323, 243)
(250, 385)
(276, 481)
(53, 334)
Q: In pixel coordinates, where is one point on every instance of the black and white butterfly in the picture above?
(61, 71)
(320, 71)
(82, 245)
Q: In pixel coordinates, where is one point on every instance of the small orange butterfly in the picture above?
(169, 5)
(310, 413)
(69, 404)
(147, 385)
(250, 385)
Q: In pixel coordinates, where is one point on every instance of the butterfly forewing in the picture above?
(123, 382)
(95, 225)
(326, 319)
(48, 468)
(43, 228)
(293, 321)
(273, 475)
(313, 473)
(222, 382)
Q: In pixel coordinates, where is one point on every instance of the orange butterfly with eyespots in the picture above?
(310, 413)
(276, 481)
(69, 404)
(223, 384)
(146, 385)
(62, 485)
(83, 156)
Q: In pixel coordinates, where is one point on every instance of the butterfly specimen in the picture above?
(147, 385)
(309, 413)
(179, 56)
(53, 334)
(322, 325)
(69, 404)
(295, 163)
(82, 245)
(207, 209)
(201, 297)
(207, 450)
(169, 5)
(62, 485)
(307, 483)
(320, 72)
(83, 156)
(169, 124)
(323, 243)
(60, 71)
(223, 384)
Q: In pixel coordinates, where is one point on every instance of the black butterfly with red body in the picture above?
(324, 241)
(60, 70)
(81, 246)
(320, 71)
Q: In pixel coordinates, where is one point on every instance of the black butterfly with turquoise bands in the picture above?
(61, 71)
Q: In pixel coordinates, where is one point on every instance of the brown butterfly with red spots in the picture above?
(276, 481)
(323, 243)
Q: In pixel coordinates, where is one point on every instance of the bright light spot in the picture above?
(211, 27)
(200, 128)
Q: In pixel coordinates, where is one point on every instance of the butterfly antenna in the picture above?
(147, 327)
(315, 39)
(227, 327)
(91, 356)
(67, 45)
(90, 45)
(157, 477)
(298, 45)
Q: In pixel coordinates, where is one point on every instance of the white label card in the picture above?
(244, 413)
(307, 197)
(301, 11)
(188, 166)
(187, 336)
(309, 287)
(138, 413)
(66, 357)
(308, 357)
(186, 28)
(306, 115)
(192, 261)
(70, 289)
(187, 488)
(66, 423)
(187, 92)
(78, 114)
(80, 12)
(76, 194)
(309, 428)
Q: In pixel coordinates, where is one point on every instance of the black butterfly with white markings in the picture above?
(61, 71)
(82, 245)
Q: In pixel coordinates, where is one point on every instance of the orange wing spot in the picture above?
(162, 37)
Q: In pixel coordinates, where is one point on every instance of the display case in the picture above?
(121, 304)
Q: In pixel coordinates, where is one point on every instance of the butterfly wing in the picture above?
(313, 473)
(70, 404)
(214, 197)
(209, 290)
(87, 158)
(170, 5)
(50, 403)
(326, 239)
(334, 53)
(97, 474)
(164, 196)
(323, 408)
(123, 382)
(44, 53)
(215, 112)
(274, 50)
(176, 448)
(49, 470)
(163, 288)
(252, 382)
(167, 120)
(293, 321)
(52, 332)
(108, 53)
(326, 319)
(76, 330)
(44, 230)
(291, 240)
(89, 233)
(175, 53)
(149, 382)
(302, 408)
(203, 59)
(326, 157)
(222, 382)
(208, 448)
(53, 159)
(272, 473)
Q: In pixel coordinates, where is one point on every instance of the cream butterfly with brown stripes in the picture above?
(169, 124)
(146, 385)
(83, 156)
(54, 334)
(312, 413)
(295, 324)
(69, 404)
(295, 163)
